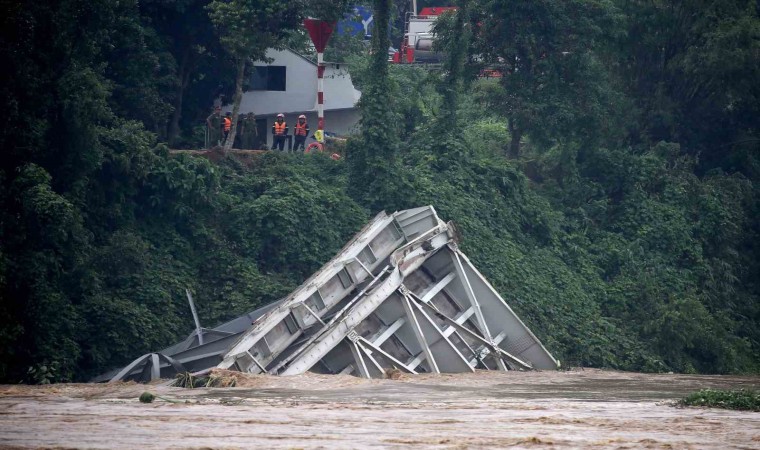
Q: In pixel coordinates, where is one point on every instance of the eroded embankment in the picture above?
(489, 409)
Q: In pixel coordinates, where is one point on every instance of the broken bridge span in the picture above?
(399, 295)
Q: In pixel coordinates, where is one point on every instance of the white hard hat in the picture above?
(302, 116)
(280, 115)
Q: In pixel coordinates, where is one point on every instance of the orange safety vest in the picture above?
(301, 129)
(279, 128)
(227, 124)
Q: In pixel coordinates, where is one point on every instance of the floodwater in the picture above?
(537, 410)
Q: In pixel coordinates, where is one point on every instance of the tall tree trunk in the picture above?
(184, 77)
(236, 103)
(513, 152)
(374, 176)
(454, 68)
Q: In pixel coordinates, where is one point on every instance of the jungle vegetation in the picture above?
(606, 182)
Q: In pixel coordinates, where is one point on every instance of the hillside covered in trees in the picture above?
(607, 184)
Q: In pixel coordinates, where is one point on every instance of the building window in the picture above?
(268, 78)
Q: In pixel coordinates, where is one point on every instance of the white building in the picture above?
(288, 85)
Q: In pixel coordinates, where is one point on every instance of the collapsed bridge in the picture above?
(400, 295)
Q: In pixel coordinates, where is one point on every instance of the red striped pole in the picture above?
(320, 94)
(320, 32)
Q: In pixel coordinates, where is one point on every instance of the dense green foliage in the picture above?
(606, 184)
(741, 399)
(373, 159)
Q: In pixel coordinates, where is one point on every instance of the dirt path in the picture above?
(577, 409)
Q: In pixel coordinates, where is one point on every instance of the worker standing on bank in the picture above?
(240, 132)
(213, 127)
(279, 131)
(251, 133)
(300, 132)
(227, 125)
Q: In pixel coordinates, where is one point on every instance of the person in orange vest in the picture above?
(300, 133)
(279, 131)
(226, 125)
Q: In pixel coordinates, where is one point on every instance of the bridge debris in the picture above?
(399, 296)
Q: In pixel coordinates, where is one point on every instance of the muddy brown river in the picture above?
(569, 409)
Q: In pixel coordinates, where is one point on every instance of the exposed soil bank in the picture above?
(574, 409)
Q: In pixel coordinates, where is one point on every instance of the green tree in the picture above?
(247, 28)
(199, 63)
(372, 157)
(453, 32)
(691, 67)
(553, 83)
